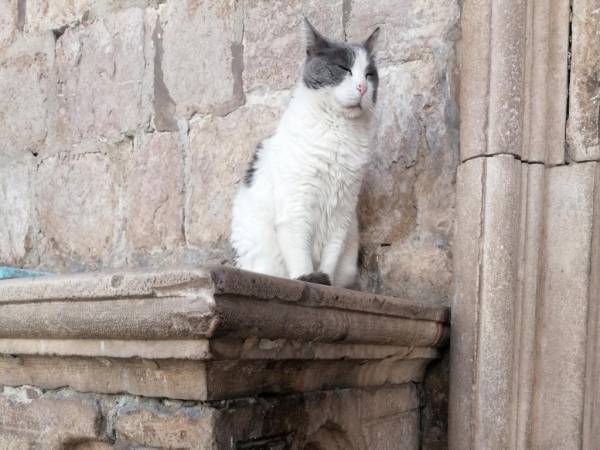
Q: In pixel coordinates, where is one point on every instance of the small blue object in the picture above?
(13, 272)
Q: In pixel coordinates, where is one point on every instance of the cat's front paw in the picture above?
(317, 278)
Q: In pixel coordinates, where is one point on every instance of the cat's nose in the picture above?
(362, 88)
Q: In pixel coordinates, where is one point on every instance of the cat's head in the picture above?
(345, 73)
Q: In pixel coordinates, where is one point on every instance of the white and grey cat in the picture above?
(295, 213)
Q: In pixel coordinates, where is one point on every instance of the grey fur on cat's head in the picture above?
(328, 62)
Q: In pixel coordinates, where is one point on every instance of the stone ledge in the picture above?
(208, 333)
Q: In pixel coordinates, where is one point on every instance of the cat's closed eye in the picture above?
(344, 68)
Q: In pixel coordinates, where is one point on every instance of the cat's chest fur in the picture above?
(324, 155)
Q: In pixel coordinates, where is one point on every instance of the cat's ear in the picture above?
(369, 44)
(315, 41)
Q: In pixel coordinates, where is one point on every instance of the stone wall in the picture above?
(127, 125)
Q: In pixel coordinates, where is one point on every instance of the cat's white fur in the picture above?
(299, 214)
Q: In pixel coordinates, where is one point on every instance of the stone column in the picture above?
(525, 314)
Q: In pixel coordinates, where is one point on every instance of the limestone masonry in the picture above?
(211, 358)
(127, 125)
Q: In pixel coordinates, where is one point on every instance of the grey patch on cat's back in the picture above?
(251, 170)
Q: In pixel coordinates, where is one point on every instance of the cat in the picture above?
(294, 215)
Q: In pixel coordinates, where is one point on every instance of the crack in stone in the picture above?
(164, 106)
(569, 62)
(524, 161)
(21, 14)
(346, 13)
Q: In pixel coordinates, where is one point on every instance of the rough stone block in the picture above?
(191, 428)
(16, 212)
(154, 193)
(385, 418)
(407, 200)
(583, 131)
(25, 83)
(9, 21)
(220, 151)
(409, 27)
(101, 77)
(274, 39)
(419, 267)
(202, 60)
(387, 209)
(76, 199)
(55, 14)
(31, 419)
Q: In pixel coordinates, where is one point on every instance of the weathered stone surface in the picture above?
(344, 419)
(419, 267)
(102, 90)
(9, 21)
(546, 76)
(409, 27)
(126, 348)
(210, 380)
(496, 307)
(563, 316)
(491, 100)
(220, 149)
(168, 378)
(533, 181)
(434, 398)
(464, 335)
(202, 62)
(591, 412)
(406, 209)
(76, 203)
(210, 303)
(16, 212)
(583, 132)
(192, 428)
(487, 269)
(92, 445)
(335, 420)
(25, 83)
(55, 14)
(283, 335)
(274, 39)
(154, 196)
(31, 419)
